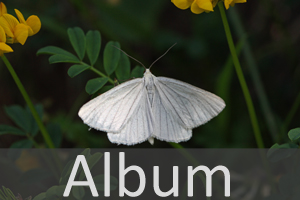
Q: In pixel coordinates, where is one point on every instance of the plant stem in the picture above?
(98, 72)
(241, 78)
(254, 74)
(101, 74)
(29, 103)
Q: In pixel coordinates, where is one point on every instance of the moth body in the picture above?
(151, 107)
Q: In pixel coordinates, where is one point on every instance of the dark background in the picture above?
(145, 30)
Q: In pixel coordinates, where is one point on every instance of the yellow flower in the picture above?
(200, 6)
(3, 9)
(33, 23)
(16, 31)
(228, 3)
(197, 6)
(4, 48)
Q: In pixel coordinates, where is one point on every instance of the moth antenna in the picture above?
(162, 55)
(130, 56)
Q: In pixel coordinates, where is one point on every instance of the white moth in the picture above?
(151, 107)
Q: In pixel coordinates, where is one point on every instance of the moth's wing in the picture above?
(111, 110)
(167, 126)
(140, 126)
(191, 105)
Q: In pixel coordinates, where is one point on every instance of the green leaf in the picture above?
(99, 182)
(294, 134)
(78, 192)
(78, 41)
(55, 192)
(69, 166)
(93, 44)
(91, 163)
(33, 127)
(6, 194)
(6, 129)
(111, 57)
(95, 84)
(52, 50)
(60, 190)
(23, 118)
(279, 152)
(86, 153)
(58, 58)
(77, 69)
(2, 195)
(287, 146)
(19, 116)
(123, 68)
(66, 172)
(51, 194)
(22, 144)
(275, 146)
(55, 134)
(137, 72)
(41, 196)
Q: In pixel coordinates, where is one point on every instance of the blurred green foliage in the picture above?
(57, 173)
(77, 193)
(145, 29)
